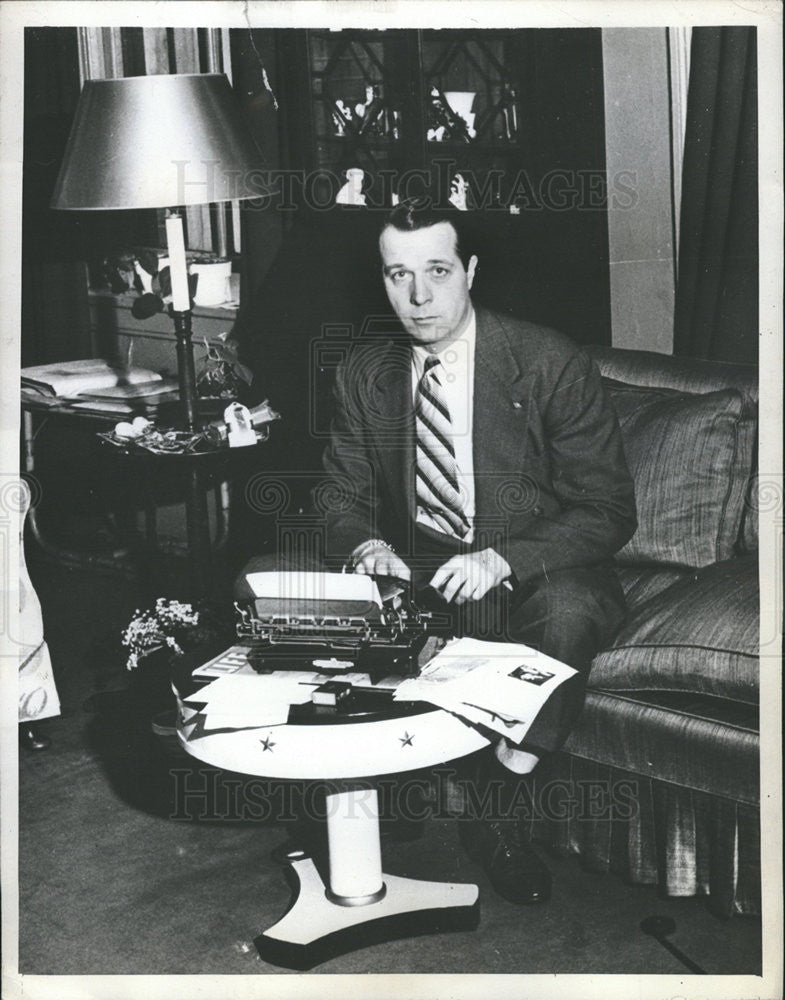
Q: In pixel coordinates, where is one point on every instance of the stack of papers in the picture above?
(95, 385)
(240, 701)
(89, 375)
(499, 685)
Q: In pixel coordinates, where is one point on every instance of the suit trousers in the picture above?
(569, 615)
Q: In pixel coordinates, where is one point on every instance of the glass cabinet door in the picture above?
(472, 89)
(392, 101)
(473, 108)
(357, 102)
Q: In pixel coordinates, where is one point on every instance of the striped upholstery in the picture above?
(699, 635)
(663, 371)
(691, 457)
(719, 755)
(693, 375)
(685, 841)
(641, 583)
(671, 717)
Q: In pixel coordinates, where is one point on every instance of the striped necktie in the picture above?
(437, 471)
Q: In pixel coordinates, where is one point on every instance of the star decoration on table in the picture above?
(406, 740)
(267, 743)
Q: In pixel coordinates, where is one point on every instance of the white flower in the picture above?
(151, 629)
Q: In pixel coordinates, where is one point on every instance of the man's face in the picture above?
(426, 283)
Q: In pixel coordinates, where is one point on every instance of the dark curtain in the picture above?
(716, 314)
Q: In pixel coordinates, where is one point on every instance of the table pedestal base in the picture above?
(315, 929)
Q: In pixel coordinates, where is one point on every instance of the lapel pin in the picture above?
(516, 405)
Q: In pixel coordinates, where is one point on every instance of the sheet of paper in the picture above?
(103, 406)
(238, 694)
(500, 685)
(315, 587)
(513, 729)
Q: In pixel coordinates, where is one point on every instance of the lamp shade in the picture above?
(157, 142)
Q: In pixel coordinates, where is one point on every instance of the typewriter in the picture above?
(334, 622)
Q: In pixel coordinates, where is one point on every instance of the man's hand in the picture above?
(376, 559)
(469, 577)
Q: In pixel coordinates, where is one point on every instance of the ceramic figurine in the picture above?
(359, 108)
(458, 190)
(352, 191)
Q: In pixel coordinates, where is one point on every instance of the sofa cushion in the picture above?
(691, 457)
(640, 583)
(699, 635)
(721, 747)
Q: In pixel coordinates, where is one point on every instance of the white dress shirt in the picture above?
(456, 375)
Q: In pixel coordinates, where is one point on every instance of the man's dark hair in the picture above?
(413, 214)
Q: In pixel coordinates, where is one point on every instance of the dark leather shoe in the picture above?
(514, 868)
(29, 739)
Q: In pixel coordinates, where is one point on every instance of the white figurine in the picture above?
(458, 190)
(352, 191)
(359, 109)
(238, 420)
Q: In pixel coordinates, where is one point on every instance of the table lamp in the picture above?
(161, 141)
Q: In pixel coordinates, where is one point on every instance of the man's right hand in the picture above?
(375, 559)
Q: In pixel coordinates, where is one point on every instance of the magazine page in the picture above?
(502, 685)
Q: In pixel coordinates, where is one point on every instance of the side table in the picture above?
(194, 471)
(34, 416)
(361, 904)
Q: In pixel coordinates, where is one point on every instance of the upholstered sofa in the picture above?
(659, 781)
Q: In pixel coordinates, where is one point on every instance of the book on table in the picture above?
(87, 375)
(96, 384)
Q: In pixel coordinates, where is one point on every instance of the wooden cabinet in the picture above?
(149, 343)
(392, 102)
(530, 148)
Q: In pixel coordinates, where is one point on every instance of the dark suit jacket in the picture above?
(552, 489)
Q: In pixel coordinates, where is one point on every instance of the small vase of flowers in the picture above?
(163, 628)
(155, 637)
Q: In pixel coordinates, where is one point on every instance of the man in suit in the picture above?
(479, 457)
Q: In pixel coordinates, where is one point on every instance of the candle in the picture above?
(178, 271)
